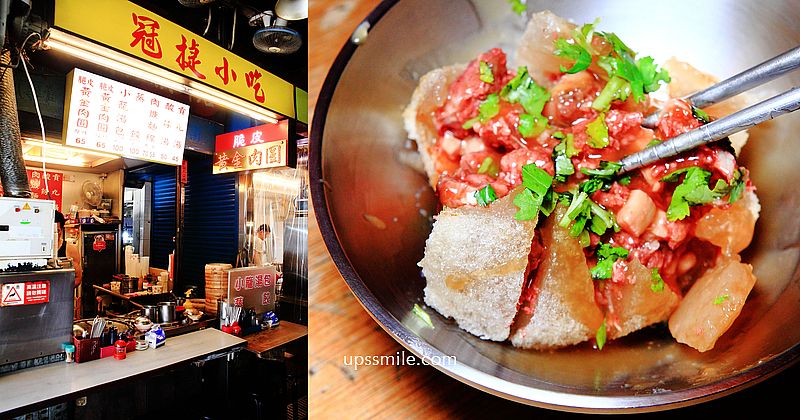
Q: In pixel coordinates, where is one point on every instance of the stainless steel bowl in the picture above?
(374, 209)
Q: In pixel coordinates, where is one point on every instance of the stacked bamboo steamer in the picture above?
(216, 285)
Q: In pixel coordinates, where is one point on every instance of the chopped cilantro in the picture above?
(486, 74)
(573, 51)
(598, 132)
(584, 215)
(537, 194)
(693, 191)
(421, 314)
(700, 115)
(651, 74)
(600, 335)
(531, 125)
(518, 6)
(522, 89)
(485, 195)
(606, 256)
(617, 88)
(591, 185)
(527, 204)
(536, 179)
(486, 111)
(625, 180)
(605, 172)
(737, 185)
(563, 163)
(643, 75)
(558, 135)
(719, 299)
(656, 282)
(489, 167)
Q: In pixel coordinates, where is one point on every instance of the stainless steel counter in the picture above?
(48, 382)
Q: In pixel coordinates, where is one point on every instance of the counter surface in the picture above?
(43, 383)
(266, 340)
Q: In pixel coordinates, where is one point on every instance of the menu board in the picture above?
(112, 117)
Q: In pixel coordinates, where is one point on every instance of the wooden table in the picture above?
(264, 341)
(38, 385)
(340, 327)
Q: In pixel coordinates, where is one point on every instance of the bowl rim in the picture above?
(556, 400)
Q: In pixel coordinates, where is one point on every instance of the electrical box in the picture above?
(27, 233)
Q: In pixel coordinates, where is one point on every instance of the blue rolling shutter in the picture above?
(162, 227)
(210, 221)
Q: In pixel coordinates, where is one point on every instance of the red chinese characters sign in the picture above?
(265, 146)
(112, 117)
(253, 287)
(54, 182)
(144, 34)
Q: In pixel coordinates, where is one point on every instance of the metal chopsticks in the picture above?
(746, 80)
(784, 103)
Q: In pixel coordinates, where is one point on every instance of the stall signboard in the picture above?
(261, 147)
(135, 30)
(252, 287)
(111, 117)
(26, 293)
(36, 180)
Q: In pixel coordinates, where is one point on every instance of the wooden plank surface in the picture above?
(340, 328)
(43, 383)
(266, 340)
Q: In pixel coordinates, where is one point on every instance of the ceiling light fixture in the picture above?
(292, 9)
(106, 57)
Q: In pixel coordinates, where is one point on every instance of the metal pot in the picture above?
(358, 113)
(166, 312)
(151, 312)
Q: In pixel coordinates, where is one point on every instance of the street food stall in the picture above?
(128, 258)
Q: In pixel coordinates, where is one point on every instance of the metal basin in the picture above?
(374, 209)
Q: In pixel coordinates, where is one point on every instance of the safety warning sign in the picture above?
(29, 293)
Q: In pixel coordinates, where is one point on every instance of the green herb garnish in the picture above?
(700, 115)
(421, 314)
(606, 256)
(522, 89)
(537, 195)
(489, 167)
(656, 282)
(584, 216)
(563, 163)
(719, 299)
(485, 195)
(486, 74)
(693, 191)
(598, 132)
(565, 49)
(600, 335)
(531, 125)
(518, 6)
(487, 110)
(617, 88)
(605, 174)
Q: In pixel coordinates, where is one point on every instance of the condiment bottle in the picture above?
(120, 349)
(69, 349)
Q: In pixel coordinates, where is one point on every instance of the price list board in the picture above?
(111, 117)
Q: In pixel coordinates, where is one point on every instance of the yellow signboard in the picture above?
(132, 29)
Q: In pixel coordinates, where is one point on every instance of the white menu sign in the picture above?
(112, 117)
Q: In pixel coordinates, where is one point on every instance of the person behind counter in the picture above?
(262, 245)
(67, 248)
